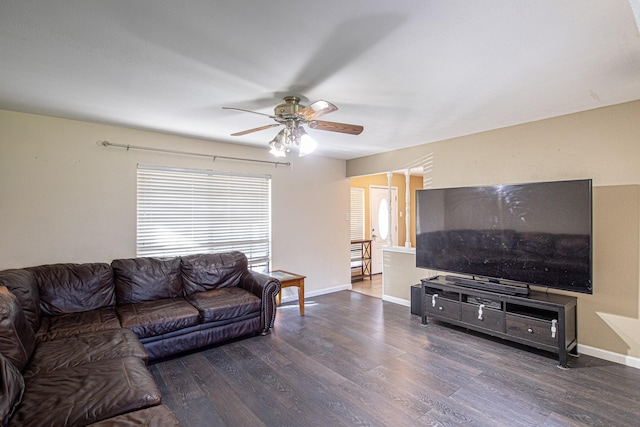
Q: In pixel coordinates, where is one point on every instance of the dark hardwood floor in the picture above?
(357, 360)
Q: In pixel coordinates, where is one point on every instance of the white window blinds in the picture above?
(357, 213)
(183, 212)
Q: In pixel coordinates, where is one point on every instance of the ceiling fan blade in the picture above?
(346, 43)
(248, 111)
(336, 127)
(317, 109)
(244, 132)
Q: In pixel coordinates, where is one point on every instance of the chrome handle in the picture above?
(433, 300)
(554, 328)
(530, 330)
(480, 312)
(440, 308)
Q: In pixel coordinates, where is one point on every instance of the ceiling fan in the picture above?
(293, 116)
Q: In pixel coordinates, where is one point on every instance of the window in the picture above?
(356, 216)
(383, 218)
(183, 212)
(357, 213)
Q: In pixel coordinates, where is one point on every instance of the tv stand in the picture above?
(494, 286)
(540, 320)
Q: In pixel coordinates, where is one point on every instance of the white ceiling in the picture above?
(410, 71)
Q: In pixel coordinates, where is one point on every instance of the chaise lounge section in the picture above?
(75, 338)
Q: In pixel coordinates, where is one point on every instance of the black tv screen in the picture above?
(536, 234)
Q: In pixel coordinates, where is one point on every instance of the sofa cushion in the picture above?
(146, 279)
(11, 389)
(86, 394)
(151, 318)
(200, 336)
(65, 325)
(82, 349)
(70, 288)
(204, 272)
(22, 283)
(17, 340)
(155, 416)
(225, 303)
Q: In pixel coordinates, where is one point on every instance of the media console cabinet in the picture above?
(541, 320)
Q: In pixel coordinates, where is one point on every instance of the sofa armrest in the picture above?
(266, 288)
(11, 389)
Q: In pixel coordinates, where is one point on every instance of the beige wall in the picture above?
(64, 198)
(602, 144)
(399, 270)
(400, 182)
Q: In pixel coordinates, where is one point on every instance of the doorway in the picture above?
(379, 183)
(371, 287)
(381, 231)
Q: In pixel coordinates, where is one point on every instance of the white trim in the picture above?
(401, 249)
(396, 300)
(623, 359)
(328, 291)
(294, 295)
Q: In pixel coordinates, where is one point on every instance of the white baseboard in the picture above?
(633, 362)
(294, 293)
(395, 300)
(327, 291)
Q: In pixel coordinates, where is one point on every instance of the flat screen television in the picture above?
(531, 234)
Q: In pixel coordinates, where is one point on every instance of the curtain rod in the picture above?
(187, 153)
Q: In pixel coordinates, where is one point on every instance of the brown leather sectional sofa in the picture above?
(75, 338)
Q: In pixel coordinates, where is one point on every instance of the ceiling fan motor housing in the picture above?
(288, 110)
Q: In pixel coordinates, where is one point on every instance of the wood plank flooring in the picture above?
(357, 360)
(371, 287)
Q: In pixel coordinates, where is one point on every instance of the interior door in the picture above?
(379, 219)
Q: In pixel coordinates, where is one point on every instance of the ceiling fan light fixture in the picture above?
(307, 145)
(278, 153)
(292, 115)
(278, 144)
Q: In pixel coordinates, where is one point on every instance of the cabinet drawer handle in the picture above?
(440, 308)
(554, 328)
(530, 330)
(433, 300)
(480, 312)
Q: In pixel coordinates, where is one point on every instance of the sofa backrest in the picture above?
(204, 272)
(72, 288)
(22, 283)
(17, 340)
(146, 279)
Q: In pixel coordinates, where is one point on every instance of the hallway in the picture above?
(371, 287)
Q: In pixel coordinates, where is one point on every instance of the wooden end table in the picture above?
(288, 279)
